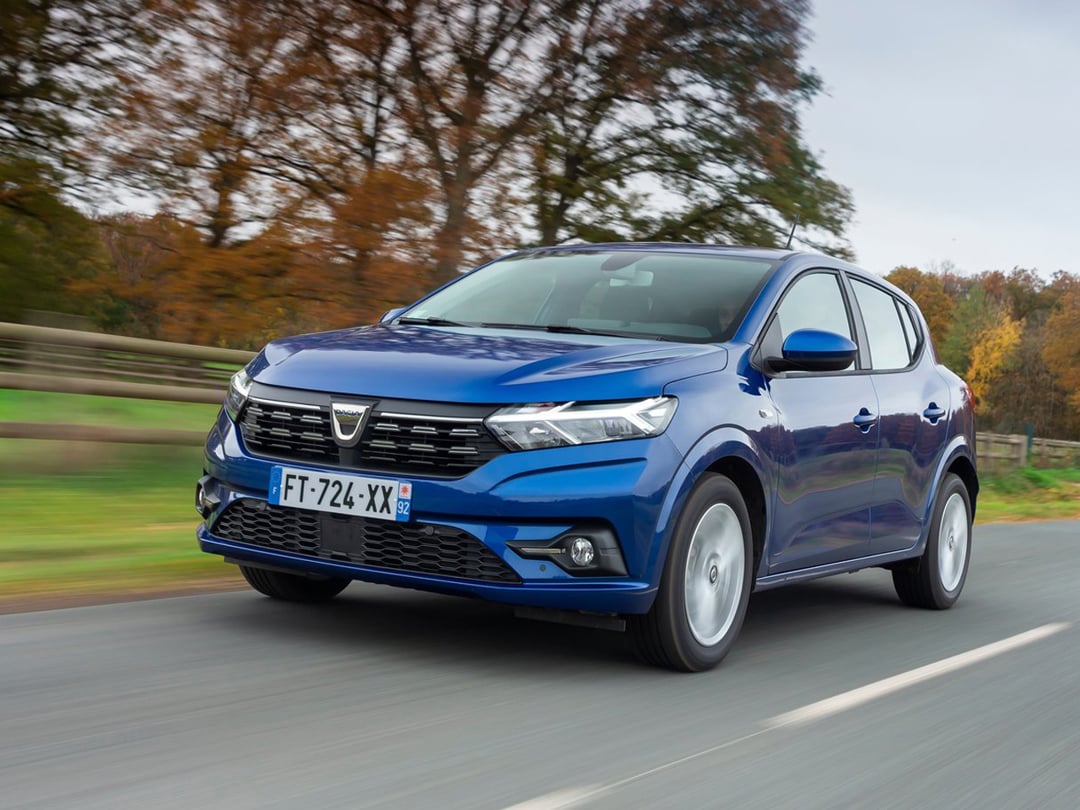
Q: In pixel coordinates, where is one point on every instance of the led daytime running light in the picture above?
(239, 388)
(530, 427)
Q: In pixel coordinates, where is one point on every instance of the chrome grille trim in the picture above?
(392, 441)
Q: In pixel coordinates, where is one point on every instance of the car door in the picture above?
(827, 447)
(913, 404)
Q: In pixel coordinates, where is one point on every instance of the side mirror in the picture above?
(815, 350)
(390, 314)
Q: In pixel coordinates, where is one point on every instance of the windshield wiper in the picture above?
(431, 322)
(544, 327)
(535, 327)
(567, 329)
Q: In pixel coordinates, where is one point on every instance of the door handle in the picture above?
(864, 420)
(933, 412)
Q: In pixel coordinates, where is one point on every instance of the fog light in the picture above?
(205, 501)
(586, 550)
(582, 551)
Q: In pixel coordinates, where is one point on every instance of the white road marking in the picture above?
(561, 799)
(575, 797)
(578, 796)
(886, 686)
(687, 758)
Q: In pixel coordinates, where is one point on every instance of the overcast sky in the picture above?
(956, 124)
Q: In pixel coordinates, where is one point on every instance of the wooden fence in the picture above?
(1000, 451)
(69, 361)
(40, 358)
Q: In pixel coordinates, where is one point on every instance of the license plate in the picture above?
(343, 494)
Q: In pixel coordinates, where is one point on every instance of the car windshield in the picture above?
(664, 295)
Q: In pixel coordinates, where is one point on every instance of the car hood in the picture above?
(480, 365)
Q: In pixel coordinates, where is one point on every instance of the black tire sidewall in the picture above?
(292, 587)
(942, 598)
(711, 490)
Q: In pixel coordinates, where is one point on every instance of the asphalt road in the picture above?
(394, 699)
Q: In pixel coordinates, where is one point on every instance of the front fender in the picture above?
(724, 442)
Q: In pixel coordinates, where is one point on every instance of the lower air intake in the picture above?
(421, 548)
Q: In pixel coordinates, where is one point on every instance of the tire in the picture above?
(935, 579)
(705, 587)
(293, 587)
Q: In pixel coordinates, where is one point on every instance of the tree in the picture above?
(928, 291)
(587, 109)
(230, 126)
(201, 123)
(391, 142)
(58, 61)
(1029, 391)
(992, 355)
(681, 122)
(1062, 348)
(164, 281)
(1002, 328)
(471, 82)
(973, 314)
(44, 245)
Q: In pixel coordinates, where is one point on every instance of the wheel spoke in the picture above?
(953, 539)
(714, 574)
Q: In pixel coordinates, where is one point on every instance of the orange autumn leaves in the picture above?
(1014, 336)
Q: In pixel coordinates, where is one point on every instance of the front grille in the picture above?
(287, 431)
(422, 548)
(391, 442)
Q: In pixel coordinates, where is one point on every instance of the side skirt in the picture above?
(843, 567)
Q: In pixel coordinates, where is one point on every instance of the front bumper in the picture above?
(623, 596)
(533, 496)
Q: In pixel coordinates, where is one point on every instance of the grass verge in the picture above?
(87, 409)
(1029, 494)
(126, 526)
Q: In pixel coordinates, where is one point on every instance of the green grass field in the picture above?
(1029, 494)
(84, 520)
(126, 526)
(80, 409)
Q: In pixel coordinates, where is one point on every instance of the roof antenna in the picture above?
(791, 233)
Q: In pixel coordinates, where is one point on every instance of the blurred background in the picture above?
(215, 173)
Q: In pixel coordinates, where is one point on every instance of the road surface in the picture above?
(396, 699)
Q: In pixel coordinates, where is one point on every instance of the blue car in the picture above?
(633, 436)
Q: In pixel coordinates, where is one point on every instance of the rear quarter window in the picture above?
(890, 346)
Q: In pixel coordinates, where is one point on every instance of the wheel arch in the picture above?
(962, 467)
(959, 459)
(745, 477)
(728, 451)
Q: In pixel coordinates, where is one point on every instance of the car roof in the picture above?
(734, 251)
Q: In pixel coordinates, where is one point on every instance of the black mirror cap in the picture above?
(815, 350)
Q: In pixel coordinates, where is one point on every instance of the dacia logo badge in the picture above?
(347, 420)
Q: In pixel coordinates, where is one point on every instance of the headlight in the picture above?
(530, 427)
(239, 386)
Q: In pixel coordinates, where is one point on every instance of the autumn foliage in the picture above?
(1015, 337)
(309, 163)
(298, 165)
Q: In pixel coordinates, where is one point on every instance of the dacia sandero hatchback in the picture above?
(630, 435)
